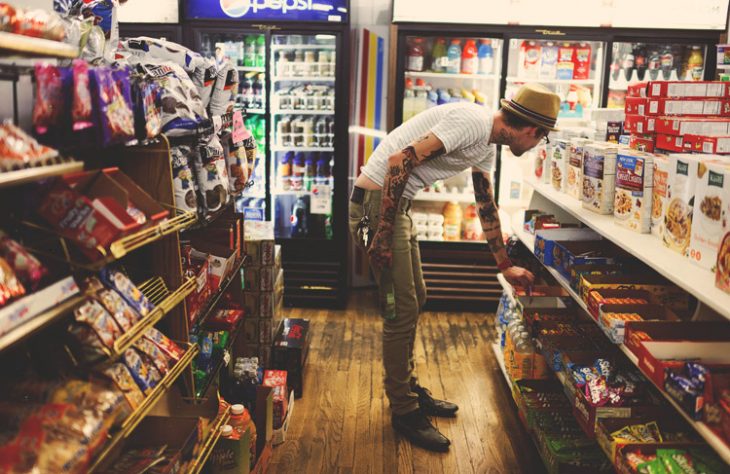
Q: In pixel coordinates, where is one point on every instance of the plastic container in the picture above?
(469, 59)
(472, 224)
(439, 56)
(415, 55)
(485, 55)
(696, 64)
(454, 57)
(285, 171)
(310, 171)
(453, 216)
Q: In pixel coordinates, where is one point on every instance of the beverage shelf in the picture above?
(279, 47)
(467, 198)
(303, 149)
(301, 112)
(256, 111)
(210, 441)
(717, 443)
(555, 81)
(213, 300)
(134, 419)
(221, 361)
(251, 68)
(35, 47)
(446, 75)
(282, 192)
(303, 79)
(14, 178)
(647, 248)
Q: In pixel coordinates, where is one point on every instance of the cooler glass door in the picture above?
(656, 61)
(572, 69)
(247, 52)
(302, 134)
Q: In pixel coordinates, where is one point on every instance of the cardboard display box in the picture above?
(545, 241)
(687, 89)
(290, 351)
(678, 331)
(660, 356)
(566, 255)
(616, 329)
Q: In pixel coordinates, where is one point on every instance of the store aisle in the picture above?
(342, 424)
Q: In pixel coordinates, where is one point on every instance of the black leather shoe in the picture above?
(416, 427)
(433, 407)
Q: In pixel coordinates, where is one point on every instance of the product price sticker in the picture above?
(321, 201)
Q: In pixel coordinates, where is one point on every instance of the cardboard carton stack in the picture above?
(684, 116)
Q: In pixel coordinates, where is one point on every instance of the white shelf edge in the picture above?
(508, 289)
(251, 69)
(303, 78)
(702, 429)
(467, 198)
(500, 361)
(554, 81)
(446, 75)
(279, 47)
(256, 111)
(695, 280)
(301, 112)
(302, 149)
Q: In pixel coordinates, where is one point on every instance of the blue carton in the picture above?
(566, 255)
(545, 241)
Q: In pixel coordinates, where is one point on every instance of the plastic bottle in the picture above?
(432, 99)
(239, 419)
(300, 218)
(472, 224)
(246, 92)
(258, 92)
(453, 216)
(415, 55)
(420, 102)
(260, 59)
(640, 62)
(439, 56)
(467, 96)
(297, 174)
(330, 133)
(249, 51)
(479, 97)
(666, 61)
(324, 170)
(408, 99)
(308, 132)
(252, 440)
(469, 59)
(654, 65)
(285, 171)
(486, 57)
(310, 171)
(454, 56)
(696, 63)
(444, 97)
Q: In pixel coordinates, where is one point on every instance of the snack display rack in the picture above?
(14, 44)
(16, 178)
(214, 434)
(715, 441)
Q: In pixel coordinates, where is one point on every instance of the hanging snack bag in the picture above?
(147, 117)
(118, 281)
(146, 375)
(237, 164)
(82, 109)
(29, 270)
(154, 355)
(52, 86)
(225, 84)
(115, 117)
(185, 186)
(212, 188)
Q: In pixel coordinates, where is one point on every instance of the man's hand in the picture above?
(519, 276)
(380, 251)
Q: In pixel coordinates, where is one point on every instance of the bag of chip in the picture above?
(10, 286)
(53, 84)
(115, 117)
(146, 375)
(123, 314)
(82, 108)
(165, 344)
(212, 183)
(154, 355)
(186, 188)
(123, 380)
(119, 282)
(27, 268)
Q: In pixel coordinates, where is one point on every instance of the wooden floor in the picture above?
(342, 423)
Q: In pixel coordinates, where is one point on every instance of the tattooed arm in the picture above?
(400, 166)
(492, 227)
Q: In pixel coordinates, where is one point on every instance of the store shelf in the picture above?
(508, 289)
(499, 355)
(444, 75)
(555, 81)
(251, 68)
(467, 198)
(302, 148)
(39, 309)
(702, 429)
(212, 302)
(303, 79)
(301, 112)
(647, 248)
(256, 111)
(35, 47)
(279, 47)
(134, 419)
(202, 223)
(164, 300)
(723, 66)
(213, 436)
(221, 361)
(15, 178)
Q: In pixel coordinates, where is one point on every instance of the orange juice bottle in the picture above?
(453, 216)
(472, 224)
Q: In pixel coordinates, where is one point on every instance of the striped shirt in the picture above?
(464, 128)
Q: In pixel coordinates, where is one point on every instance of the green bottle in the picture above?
(249, 51)
(261, 51)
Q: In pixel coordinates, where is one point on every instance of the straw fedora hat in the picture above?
(536, 104)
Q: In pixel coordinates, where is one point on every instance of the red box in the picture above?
(673, 331)
(276, 379)
(681, 125)
(660, 356)
(595, 298)
(199, 269)
(639, 124)
(692, 107)
(704, 144)
(686, 89)
(669, 143)
(642, 143)
(637, 90)
(636, 105)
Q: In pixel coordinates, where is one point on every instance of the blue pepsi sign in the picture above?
(268, 10)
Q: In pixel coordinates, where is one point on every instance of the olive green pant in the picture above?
(399, 333)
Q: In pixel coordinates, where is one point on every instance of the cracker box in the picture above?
(710, 126)
(635, 106)
(559, 152)
(659, 194)
(669, 143)
(642, 143)
(574, 168)
(683, 175)
(634, 184)
(599, 178)
(705, 144)
(696, 107)
(712, 202)
(685, 89)
(640, 124)
(637, 90)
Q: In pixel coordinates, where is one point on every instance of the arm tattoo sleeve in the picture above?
(489, 215)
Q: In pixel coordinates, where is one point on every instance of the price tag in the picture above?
(239, 132)
(321, 200)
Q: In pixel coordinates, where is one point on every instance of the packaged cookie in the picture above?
(573, 180)
(186, 189)
(599, 178)
(119, 282)
(146, 375)
(123, 380)
(659, 195)
(26, 267)
(237, 165)
(122, 313)
(634, 185)
(710, 213)
(558, 160)
(684, 171)
(10, 286)
(154, 355)
(92, 316)
(212, 188)
(165, 344)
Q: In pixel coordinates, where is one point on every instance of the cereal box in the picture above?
(599, 178)
(634, 184)
(709, 214)
(683, 173)
(558, 158)
(659, 194)
(574, 168)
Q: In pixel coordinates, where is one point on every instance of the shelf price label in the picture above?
(321, 200)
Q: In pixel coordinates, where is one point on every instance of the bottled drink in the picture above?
(469, 60)
(408, 98)
(285, 171)
(486, 57)
(283, 66)
(640, 62)
(310, 171)
(444, 97)
(330, 132)
(628, 64)
(472, 224)
(432, 99)
(454, 56)
(439, 56)
(300, 218)
(654, 65)
(414, 58)
(320, 132)
(324, 170)
(582, 60)
(298, 169)
(260, 51)
(249, 51)
(246, 92)
(696, 63)
(667, 61)
(258, 92)
(299, 66)
(420, 102)
(452, 220)
(284, 131)
(297, 132)
(308, 132)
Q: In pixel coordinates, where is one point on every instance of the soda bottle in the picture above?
(469, 60)
(330, 132)
(444, 96)
(439, 56)
(260, 51)
(324, 170)
(246, 92)
(249, 51)
(414, 57)
(300, 218)
(696, 64)
(297, 175)
(320, 132)
(666, 62)
(258, 92)
(486, 57)
(285, 171)
(454, 57)
(640, 62)
(308, 131)
(654, 65)
(328, 226)
(310, 171)
(297, 132)
(283, 130)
